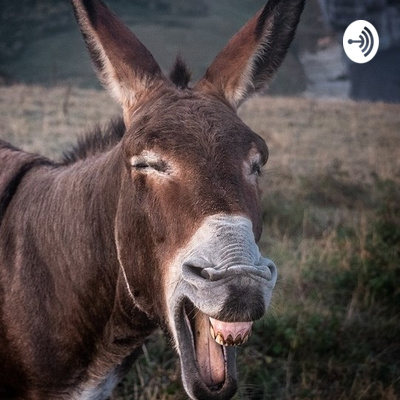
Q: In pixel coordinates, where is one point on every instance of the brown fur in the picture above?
(84, 244)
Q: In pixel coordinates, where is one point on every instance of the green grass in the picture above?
(331, 209)
(335, 329)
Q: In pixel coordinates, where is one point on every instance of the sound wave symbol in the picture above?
(366, 41)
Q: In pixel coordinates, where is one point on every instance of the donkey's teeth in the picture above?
(238, 340)
(230, 333)
(212, 332)
(220, 339)
(229, 341)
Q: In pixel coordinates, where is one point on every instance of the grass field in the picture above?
(332, 224)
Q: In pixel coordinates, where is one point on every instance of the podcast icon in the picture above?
(361, 41)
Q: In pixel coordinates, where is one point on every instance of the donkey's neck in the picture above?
(81, 205)
(71, 248)
(65, 277)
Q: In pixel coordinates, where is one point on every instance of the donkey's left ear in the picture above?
(123, 64)
(250, 59)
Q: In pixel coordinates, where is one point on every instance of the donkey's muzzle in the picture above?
(240, 293)
(228, 277)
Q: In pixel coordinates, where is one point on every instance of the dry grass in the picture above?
(308, 136)
(331, 211)
(46, 121)
(304, 136)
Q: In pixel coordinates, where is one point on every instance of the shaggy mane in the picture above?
(180, 74)
(97, 141)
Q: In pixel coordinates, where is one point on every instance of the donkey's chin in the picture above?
(207, 351)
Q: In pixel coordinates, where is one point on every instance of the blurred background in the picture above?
(331, 202)
(40, 43)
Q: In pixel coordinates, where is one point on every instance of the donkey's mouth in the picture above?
(207, 353)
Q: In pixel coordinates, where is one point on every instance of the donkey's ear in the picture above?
(123, 64)
(248, 62)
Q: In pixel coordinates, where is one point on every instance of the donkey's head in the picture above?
(189, 216)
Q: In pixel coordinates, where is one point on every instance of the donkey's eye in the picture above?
(141, 165)
(256, 169)
(144, 164)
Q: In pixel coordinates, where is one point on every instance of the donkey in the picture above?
(153, 222)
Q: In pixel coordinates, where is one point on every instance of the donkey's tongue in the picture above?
(209, 354)
(209, 351)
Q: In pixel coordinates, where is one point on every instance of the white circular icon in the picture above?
(360, 41)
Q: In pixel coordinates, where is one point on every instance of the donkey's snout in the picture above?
(223, 272)
(224, 249)
(235, 293)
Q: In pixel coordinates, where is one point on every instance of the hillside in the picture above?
(40, 42)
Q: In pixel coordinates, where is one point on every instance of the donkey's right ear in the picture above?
(123, 64)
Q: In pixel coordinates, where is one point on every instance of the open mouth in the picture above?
(207, 352)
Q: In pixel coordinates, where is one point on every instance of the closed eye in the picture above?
(140, 165)
(159, 166)
(148, 162)
(256, 169)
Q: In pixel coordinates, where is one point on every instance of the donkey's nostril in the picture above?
(194, 271)
(200, 269)
(205, 274)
